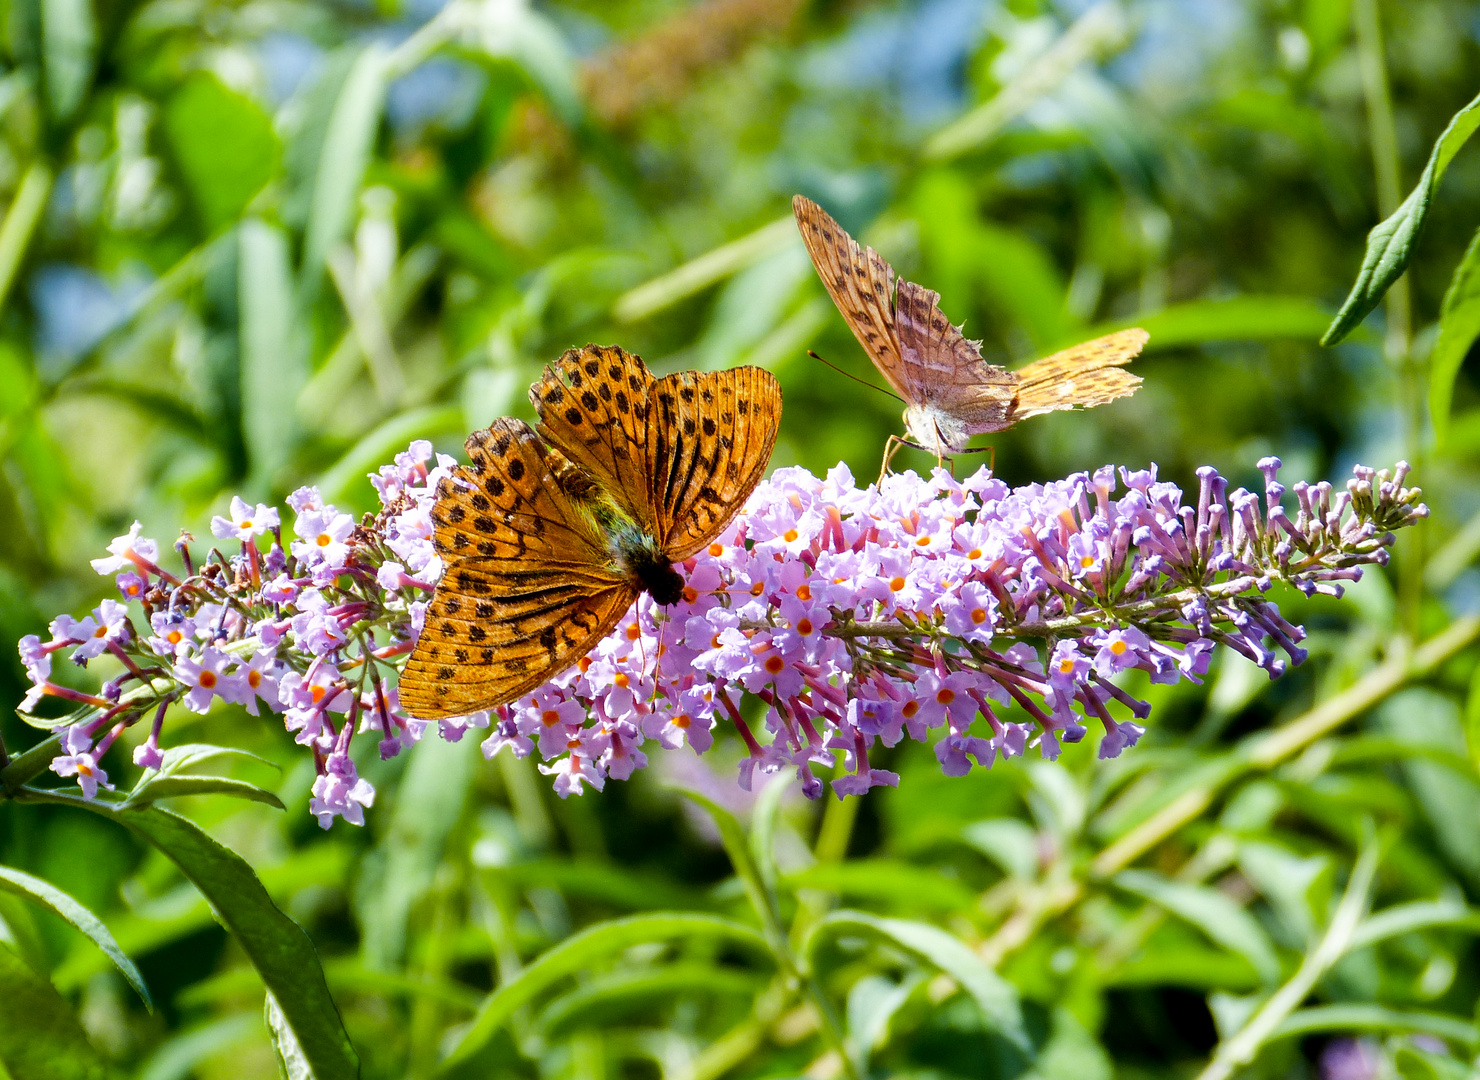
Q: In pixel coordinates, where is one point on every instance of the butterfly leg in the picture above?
(890, 449)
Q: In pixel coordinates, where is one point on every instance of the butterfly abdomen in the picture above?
(636, 554)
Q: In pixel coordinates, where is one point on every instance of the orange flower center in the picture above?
(622, 680)
(316, 694)
(909, 709)
(690, 594)
(789, 535)
(247, 524)
(974, 553)
(634, 632)
(174, 637)
(1066, 666)
(208, 679)
(774, 664)
(254, 679)
(716, 550)
(682, 721)
(945, 695)
(895, 584)
(584, 663)
(1117, 647)
(549, 718)
(758, 588)
(978, 616)
(101, 631)
(922, 541)
(804, 625)
(324, 540)
(804, 591)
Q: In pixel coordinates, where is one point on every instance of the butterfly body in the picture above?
(950, 392)
(549, 534)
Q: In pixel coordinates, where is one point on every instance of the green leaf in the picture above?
(889, 880)
(1212, 912)
(1459, 326)
(666, 981)
(346, 151)
(1008, 842)
(429, 802)
(995, 996)
(69, 43)
(177, 1058)
(277, 946)
(169, 779)
(1236, 318)
(224, 146)
(52, 898)
(170, 787)
(584, 949)
(1390, 244)
(40, 1039)
(273, 364)
(1378, 1019)
(762, 897)
(763, 828)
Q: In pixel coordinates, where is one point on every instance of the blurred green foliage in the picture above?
(252, 245)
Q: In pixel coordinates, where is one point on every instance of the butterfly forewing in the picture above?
(860, 283)
(527, 587)
(709, 439)
(1085, 375)
(592, 403)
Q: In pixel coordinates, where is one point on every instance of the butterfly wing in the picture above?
(1087, 374)
(955, 378)
(861, 284)
(709, 440)
(592, 404)
(528, 587)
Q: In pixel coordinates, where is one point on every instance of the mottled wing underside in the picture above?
(948, 369)
(592, 404)
(527, 588)
(861, 284)
(1085, 375)
(709, 439)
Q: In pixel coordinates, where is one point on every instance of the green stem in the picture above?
(1398, 346)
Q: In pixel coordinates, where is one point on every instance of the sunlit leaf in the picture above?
(55, 900)
(224, 146)
(1212, 912)
(996, 997)
(1391, 243)
(1459, 326)
(585, 949)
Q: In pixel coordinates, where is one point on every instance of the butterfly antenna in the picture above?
(855, 378)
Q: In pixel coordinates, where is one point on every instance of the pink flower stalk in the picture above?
(831, 622)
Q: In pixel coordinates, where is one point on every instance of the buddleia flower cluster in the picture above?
(830, 621)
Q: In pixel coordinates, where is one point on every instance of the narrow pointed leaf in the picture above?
(1391, 243)
(40, 1038)
(58, 902)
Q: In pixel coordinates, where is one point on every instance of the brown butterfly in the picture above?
(548, 535)
(950, 392)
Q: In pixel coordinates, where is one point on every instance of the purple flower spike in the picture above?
(828, 624)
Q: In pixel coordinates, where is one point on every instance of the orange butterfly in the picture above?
(950, 392)
(548, 535)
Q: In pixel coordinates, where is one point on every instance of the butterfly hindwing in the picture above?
(949, 369)
(710, 436)
(527, 586)
(1087, 374)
